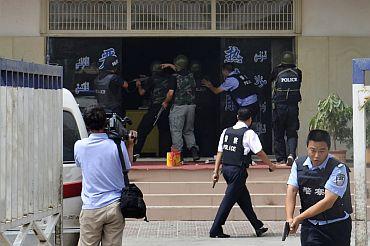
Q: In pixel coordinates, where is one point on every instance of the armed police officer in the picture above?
(234, 145)
(322, 183)
(181, 92)
(242, 90)
(156, 86)
(286, 79)
(109, 87)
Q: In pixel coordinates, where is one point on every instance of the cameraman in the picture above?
(102, 181)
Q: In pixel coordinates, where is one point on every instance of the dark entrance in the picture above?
(254, 57)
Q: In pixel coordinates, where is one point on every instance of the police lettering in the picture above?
(229, 148)
(289, 79)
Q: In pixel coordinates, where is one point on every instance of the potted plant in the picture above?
(333, 115)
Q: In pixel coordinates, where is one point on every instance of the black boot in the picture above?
(195, 153)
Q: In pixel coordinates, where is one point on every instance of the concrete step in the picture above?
(254, 187)
(199, 173)
(208, 199)
(272, 213)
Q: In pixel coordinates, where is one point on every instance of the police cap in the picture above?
(288, 58)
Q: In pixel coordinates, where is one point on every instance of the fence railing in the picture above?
(200, 17)
(30, 147)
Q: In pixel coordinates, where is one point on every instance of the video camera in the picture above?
(117, 126)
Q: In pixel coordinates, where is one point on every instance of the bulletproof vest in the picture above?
(185, 91)
(287, 86)
(104, 95)
(312, 189)
(232, 147)
(160, 89)
(245, 89)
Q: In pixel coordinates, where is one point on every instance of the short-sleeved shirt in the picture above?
(172, 81)
(251, 142)
(102, 178)
(231, 84)
(330, 185)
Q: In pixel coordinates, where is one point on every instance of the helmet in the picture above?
(155, 66)
(181, 61)
(288, 58)
(195, 67)
(110, 63)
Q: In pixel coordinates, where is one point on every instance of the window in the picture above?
(70, 136)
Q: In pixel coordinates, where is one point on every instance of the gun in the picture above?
(286, 231)
(158, 115)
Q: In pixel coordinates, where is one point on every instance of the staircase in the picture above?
(185, 193)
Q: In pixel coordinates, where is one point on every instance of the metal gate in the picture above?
(30, 150)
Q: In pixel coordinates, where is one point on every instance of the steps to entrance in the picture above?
(186, 193)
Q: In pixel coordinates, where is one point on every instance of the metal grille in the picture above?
(200, 16)
(87, 15)
(171, 15)
(255, 15)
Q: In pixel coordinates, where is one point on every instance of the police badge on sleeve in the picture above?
(339, 179)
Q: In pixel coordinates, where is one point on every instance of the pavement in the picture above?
(186, 233)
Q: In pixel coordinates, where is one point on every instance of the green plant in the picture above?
(333, 116)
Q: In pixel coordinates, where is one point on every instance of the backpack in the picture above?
(132, 203)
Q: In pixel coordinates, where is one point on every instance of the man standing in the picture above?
(157, 87)
(323, 186)
(243, 92)
(181, 91)
(286, 79)
(234, 145)
(101, 220)
(109, 87)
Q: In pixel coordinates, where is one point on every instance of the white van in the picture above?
(73, 129)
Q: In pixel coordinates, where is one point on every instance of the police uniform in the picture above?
(108, 90)
(157, 87)
(287, 80)
(235, 143)
(243, 93)
(333, 226)
(108, 87)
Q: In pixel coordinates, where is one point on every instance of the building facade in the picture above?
(326, 35)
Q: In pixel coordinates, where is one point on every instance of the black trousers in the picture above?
(337, 233)
(236, 192)
(285, 122)
(146, 126)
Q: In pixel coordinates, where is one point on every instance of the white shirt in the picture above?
(251, 141)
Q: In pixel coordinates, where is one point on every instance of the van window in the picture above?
(70, 136)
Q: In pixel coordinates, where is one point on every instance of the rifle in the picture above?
(286, 231)
(158, 115)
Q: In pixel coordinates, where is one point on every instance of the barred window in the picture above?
(171, 15)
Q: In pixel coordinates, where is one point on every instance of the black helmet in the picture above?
(195, 67)
(155, 66)
(110, 63)
(288, 58)
(181, 61)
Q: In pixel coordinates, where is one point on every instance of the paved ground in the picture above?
(186, 233)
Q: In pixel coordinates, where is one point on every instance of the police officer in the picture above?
(109, 87)
(156, 86)
(243, 91)
(205, 112)
(286, 79)
(181, 92)
(234, 145)
(323, 186)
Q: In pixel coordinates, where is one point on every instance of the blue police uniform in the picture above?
(332, 227)
(235, 143)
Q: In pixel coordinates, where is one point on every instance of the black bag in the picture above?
(132, 202)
